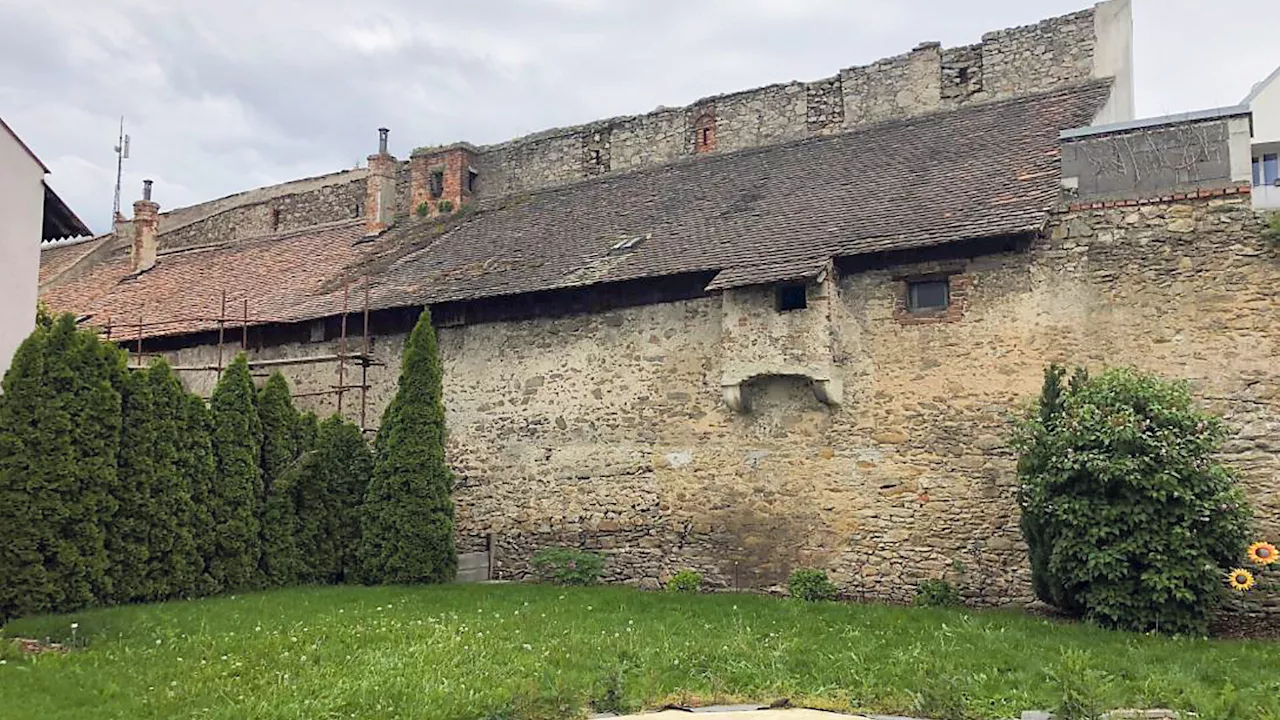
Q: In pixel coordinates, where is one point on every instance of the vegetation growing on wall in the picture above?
(407, 521)
(1129, 518)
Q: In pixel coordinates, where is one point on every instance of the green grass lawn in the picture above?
(522, 651)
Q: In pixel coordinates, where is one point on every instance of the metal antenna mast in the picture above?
(122, 154)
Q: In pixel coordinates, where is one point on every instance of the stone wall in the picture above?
(610, 430)
(278, 213)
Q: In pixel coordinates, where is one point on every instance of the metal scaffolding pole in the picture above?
(342, 343)
(364, 361)
(222, 325)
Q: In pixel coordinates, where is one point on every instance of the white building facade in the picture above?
(30, 213)
(1264, 101)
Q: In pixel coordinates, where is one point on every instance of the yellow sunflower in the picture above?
(1263, 553)
(1240, 579)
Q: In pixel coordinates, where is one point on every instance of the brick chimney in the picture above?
(441, 180)
(146, 222)
(380, 190)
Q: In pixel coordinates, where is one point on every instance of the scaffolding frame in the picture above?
(131, 337)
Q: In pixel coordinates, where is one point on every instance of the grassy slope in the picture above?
(471, 651)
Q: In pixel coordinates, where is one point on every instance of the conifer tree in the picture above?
(59, 436)
(197, 463)
(407, 518)
(89, 375)
(308, 430)
(235, 501)
(128, 535)
(175, 563)
(332, 481)
(282, 565)
(26, 585)
(280, 421)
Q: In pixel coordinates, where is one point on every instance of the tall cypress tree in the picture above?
(237, 491)
(27, 586)
(175, 564)
(407, 518)
(280, 422)
(59, 434)
(128, 535)
(332, 480)
(84, 427)
(197, 463)
(308, 431)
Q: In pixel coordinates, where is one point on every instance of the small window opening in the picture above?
(437, 184)
(964, 76)
(792, 297)
(471, 180)
(595, 157)
(927, 295)
(275, 219)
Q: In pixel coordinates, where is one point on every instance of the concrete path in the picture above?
(744, 715)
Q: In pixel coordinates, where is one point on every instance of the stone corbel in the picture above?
(734, 398)
(828, 390)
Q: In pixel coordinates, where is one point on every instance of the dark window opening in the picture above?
(275, 219)
(437, 184)
(706, 136)
(926, 295)
(1270, 169)
(471, 180)
(964, 76)
(792, 297)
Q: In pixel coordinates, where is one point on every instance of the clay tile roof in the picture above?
(755, 216)
(763, 215)
(283, 277)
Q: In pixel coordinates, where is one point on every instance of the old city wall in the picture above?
(610, 431)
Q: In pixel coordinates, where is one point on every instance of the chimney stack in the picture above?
(146, 221)
(380, 189)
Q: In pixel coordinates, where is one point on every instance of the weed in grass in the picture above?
(942, 699)
(1082, 688)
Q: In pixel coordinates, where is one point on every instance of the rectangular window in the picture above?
(437, 184)
(1270, 169)
(927, 295)
(792, 297)
(1257, 172)
(471, 180)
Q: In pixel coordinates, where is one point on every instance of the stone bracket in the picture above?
(828, 390)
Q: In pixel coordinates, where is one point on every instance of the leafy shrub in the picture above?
(1129, 519)
(568, 566)
(1271, 232)
(809, 584)
(445, 206)
(423, 209)
(685, 581)
(936, 593)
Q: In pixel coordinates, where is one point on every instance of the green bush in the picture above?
(1129, 519)
(407, 518)
(280, 562)
(197, 464)
(423, 209)
(685, 581)
(445, 206)
(568, 566)
(811, 585)
(128, 533)
(331, 485)
(936, 593)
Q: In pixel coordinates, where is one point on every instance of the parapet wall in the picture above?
(1062, 51)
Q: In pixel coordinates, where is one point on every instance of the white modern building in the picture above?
(1264, 101)
(30, 213)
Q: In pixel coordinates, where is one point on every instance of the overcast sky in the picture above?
(225, 96)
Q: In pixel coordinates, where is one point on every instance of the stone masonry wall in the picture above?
(282, 213)
(609, 431)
